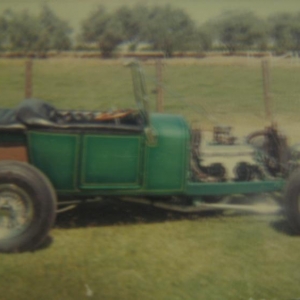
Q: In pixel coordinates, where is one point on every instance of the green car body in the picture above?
(116, 162)
(143, 160)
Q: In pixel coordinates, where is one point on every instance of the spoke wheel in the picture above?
(27, 207)
(16, 211)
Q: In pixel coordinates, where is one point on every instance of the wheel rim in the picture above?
(16, 211)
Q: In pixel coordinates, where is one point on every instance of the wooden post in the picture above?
(267, 90)
(28, 79)
(159, 89)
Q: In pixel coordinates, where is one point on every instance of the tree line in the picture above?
(158, 28)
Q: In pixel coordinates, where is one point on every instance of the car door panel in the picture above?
(111, 161)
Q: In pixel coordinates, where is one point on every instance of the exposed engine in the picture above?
(262, 154)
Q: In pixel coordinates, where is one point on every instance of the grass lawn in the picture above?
(142, 253)
(133, 252)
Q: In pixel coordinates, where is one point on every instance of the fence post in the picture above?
(159, 89)
(267, 90)
(28, 79)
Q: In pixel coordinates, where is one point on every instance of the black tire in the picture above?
(292, 200)
(27, 207)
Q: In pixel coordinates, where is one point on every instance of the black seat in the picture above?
(36, 112)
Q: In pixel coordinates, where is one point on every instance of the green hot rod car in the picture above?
(154, 158)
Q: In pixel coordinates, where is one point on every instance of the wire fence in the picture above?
(212, 90)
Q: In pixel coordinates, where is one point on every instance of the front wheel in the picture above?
(292, 200)
(27, 207)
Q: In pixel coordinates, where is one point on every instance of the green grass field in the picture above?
(76, 10)
(132, 252)
(142, 253)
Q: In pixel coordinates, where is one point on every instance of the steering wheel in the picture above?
(115, 115)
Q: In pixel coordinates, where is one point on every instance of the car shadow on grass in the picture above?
(120, 213)
(85, 215)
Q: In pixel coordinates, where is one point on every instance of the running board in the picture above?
(201, 206)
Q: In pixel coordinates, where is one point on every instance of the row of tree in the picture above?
(245, 30)
(24, 32)
(162, 28)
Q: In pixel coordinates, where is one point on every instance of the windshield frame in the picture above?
(140, 89)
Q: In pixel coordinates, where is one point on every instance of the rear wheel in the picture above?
(27, 207)
(292, 200)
